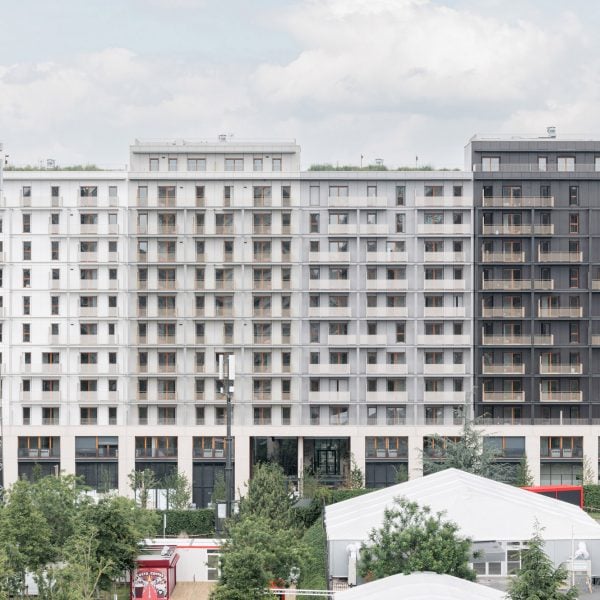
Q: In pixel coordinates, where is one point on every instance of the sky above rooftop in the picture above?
(391, 79)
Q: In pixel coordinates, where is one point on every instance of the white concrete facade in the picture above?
(345, 296)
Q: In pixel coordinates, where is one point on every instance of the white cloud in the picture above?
(389, 78)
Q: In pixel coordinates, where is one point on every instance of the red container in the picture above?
(573, 494)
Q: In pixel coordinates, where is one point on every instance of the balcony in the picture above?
(509, 369)
(547, 396)
(345, 229)
(329, 369)
(561, 312)
(506, 340)
(88, 311)
(166, 257)
(341, 340)
(444, 340)
(382, 312)
(444, 257)
(88, 229)
(167, 228)
(387, 257)
(39, 452)
(330, 312)
(387, 369)
(503, 257)
(374, 228)
(88, 340)
(387, 397)
(444, 397)
(503, 396)
(357, 201)
(373, 340)
(167, 368)
(88, 256)
(560, 257)
(329, 257)
(443, 201)
(166, 395)
(524, 202)
(443, 229)
(88, 201)
(444, 284)
(166, 284)
(506, 313)
(543, 284)
(560, 369)
(165, 339)
(543, 340)
(386, 284)
(260, 257)
(443, 369)
(506, 284)
(444, 312)
(328, 397)
(329, 284)
(506, 229)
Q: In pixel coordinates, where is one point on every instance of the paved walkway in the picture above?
(192, 591)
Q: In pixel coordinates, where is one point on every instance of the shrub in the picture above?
(199, 522)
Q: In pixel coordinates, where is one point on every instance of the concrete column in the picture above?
(241, 472)
(532, 449)
(185, 461)
(590, 453)
(67, 454)
(126, 463)
(357, 449)
(415, 466)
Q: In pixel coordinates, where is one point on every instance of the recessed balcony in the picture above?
(560, 312)
(549, 396)
(444, 312)
(503, 257)
(503, 369)
(444, 397)
(444, 257)
(503, 312)
(506, 284)
(444, 284)
(329, 284)
(443, 201)
(387, 257)
(443, 369)
(387, 397)
(443, 229)
(328, 312)
(524, 202)
(444, 340)
(560, 369)
(503, 396)
(328, 397)
(329, 369)
(560, 257)
(506, 340)
(386, 284)
(329, 257)
(387, 369)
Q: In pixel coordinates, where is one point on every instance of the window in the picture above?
(88, 191)
(26, 305)
(542, 163)
(457, 191)
(54, 305)
(400, 333)
(400, 195)
(234, 164)
(565, 163)
(26, 278)
(573, 195)
(490, 163)
(196, 164)
(54, 250)
(573, 223)
(400, 223)
(26, 223)
(26, 250)
(277, 164)
(154, 164)
(257, 164)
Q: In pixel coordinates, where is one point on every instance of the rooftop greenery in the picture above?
(88, 167)
(331, 167)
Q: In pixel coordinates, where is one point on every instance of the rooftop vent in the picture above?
(551, 131)
(222, 137)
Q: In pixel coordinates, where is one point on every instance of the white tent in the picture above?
(421, 586)
(482, 508)
(495, 515)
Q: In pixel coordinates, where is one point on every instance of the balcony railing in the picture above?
(526, 202)
(39, 452)
(503, 396)
(510, 369)
(506, 284)
(508, 312)
(561, 453)
(560, 369)
(568, 257)
(561, 312)
(444, 257)
(503, 257)
(548, 396)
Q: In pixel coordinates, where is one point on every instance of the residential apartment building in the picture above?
(357, 304)
(537, 245)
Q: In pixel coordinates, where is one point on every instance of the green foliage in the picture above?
(591, 497)
(141, 482)
(414, 539)
(121, 525)
(401, 474)
(538, 579)
(587, 472)
(523, 477)
(356, 479)
(313, 575)
(269, 496)
(179, 491)
(199, 522)
(86, 167)
(24, 532)
(469, 454)
(219, 493)
(330, 167)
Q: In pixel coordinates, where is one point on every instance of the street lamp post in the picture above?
(227, 379)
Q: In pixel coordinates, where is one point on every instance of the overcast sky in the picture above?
(391, 79)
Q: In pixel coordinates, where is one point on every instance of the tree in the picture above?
(587, 472)
(401, 474)
(537, 579)
(257, 553)
(269, 496)
(523, 477)
(469, 453)
(219, 493)
(24, 532)
(413, 539)
(179, 491)
(141, 482)
(121, 526)
(356, 479)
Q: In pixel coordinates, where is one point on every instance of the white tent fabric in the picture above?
(484, 510)
(421, 586)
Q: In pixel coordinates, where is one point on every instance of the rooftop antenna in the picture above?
(416, 162)
(361, 159)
